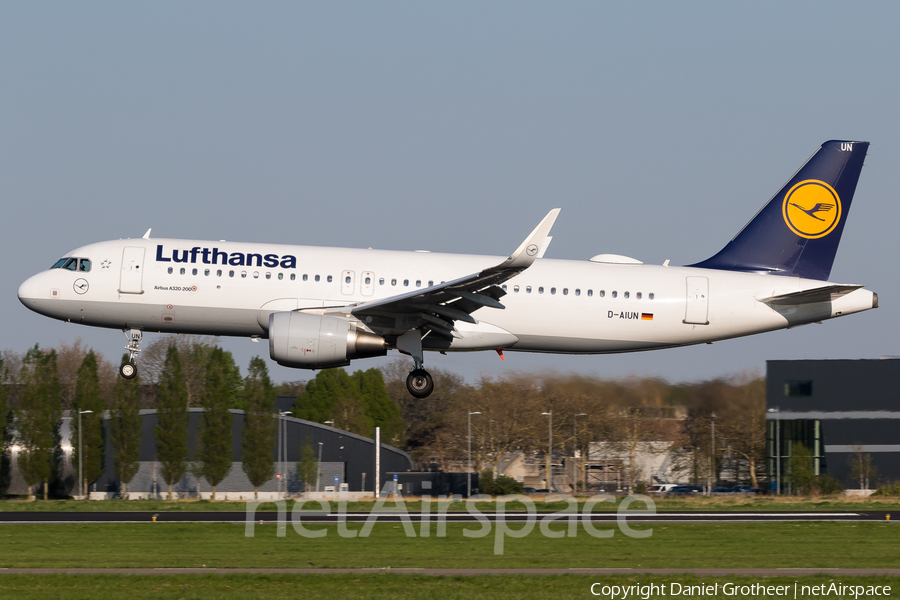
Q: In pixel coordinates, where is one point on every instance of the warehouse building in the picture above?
(837, 409)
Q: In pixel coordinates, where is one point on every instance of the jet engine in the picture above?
(308, 341)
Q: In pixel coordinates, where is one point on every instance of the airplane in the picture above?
(323, 307)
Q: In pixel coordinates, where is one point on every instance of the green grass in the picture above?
(351, 587)
(754, 503)
(672, 545)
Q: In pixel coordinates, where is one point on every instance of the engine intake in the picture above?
(308, 341)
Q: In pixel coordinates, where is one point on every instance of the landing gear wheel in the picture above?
(419, 383)
(128, 370)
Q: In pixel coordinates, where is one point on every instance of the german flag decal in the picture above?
(646, 316)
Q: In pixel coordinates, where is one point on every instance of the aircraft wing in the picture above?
(436, 308)
(821, 294)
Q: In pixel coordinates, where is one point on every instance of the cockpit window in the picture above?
(73, 264)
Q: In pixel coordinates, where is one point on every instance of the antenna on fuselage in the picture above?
(146, 236)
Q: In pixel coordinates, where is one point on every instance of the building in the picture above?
(347, 463)
(836, 408)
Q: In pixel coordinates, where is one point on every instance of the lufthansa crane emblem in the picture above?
(531, 250)
(80, 286)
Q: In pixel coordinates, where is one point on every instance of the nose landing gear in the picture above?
(128, 369)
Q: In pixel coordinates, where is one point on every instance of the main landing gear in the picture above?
(419, 383)
(128, 369)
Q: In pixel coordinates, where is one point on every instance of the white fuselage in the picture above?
(560, 306)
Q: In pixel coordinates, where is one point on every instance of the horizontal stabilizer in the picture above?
(822, 294)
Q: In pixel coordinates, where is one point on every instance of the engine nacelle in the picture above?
(308, 341)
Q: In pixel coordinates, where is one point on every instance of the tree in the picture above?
(258, 438)
(172, 419)
(220, 391)
(4, 422)
(861, 468)
(379, 409)
(322, 393)
(126, 428)
(38, 419)
(308, 467)
(87, 398)
(800, 469)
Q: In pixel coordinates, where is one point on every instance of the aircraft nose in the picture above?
(31, 289)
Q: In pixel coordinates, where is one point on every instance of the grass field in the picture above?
(741, 503)
(672, 545)
(222, 546)
(396, 587)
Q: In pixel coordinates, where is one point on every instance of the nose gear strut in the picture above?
(128, 369)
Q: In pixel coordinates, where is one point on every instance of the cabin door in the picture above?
(697, 311)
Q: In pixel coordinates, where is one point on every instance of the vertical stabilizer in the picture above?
(798, 231)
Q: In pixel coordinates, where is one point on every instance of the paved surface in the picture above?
(462, 517)
(466, 572)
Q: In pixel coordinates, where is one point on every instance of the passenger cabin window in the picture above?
(590, 293)
(527, 289)
(281, 276)
(516, 289)
(305, 277)
(317, 278)
(430, 283)
(651, 295)
(627, 294)
(171, 270)
(541, 290)
(602, 293)
(638, 295)
(577, 292)
(193, 271)
(406, 283)
(419, 283)
(615, 293)
(206, 272)
(219, 273)
(330, 279)
(293, 276)
(381, 281)
(181, 271)
(268, 276)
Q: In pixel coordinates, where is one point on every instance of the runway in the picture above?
(323, 517)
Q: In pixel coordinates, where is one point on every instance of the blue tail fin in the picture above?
(798, 231)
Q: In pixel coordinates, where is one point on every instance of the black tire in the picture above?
(420, 384)
(128, 370)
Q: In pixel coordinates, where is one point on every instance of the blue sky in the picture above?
(659, 128)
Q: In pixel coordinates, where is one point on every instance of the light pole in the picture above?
(712, 458)
(282, 451)
(550, 451)
(469, 473)
(81, 454)
(777, 450)
(575, 451)
(319, 467)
